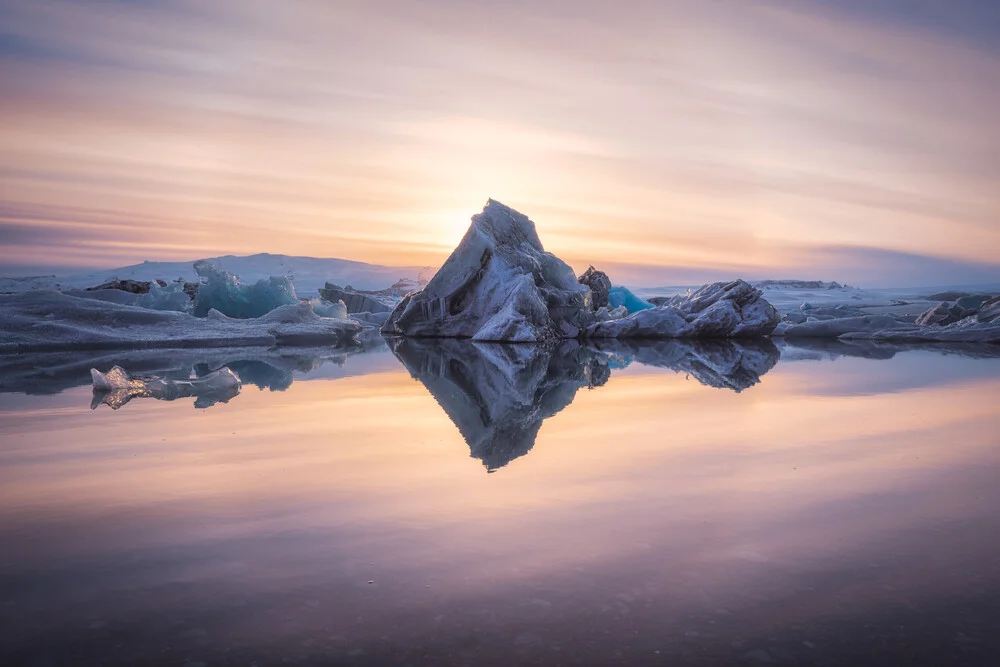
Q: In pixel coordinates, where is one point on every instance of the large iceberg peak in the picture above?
(499, 284)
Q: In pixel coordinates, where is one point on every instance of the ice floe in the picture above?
(44, 319)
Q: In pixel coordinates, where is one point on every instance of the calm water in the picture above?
(448, 504)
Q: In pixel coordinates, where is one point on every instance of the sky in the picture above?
(665, 142)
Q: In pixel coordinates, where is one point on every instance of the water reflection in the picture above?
(723, 364)
(838, 512)
(273, 369)
(498, 395)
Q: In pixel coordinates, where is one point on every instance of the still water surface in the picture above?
(462, 505)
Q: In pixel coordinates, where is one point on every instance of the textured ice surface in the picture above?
(719, 310)
(498, 285)
(622, 296)
(224, 292)
(323, 308)
(116, 387)
(45, 319)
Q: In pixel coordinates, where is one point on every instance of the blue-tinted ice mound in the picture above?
(225, 293)
(623, 296)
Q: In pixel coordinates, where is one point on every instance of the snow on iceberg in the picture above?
(224, 292)
(498, 285)
(720, 310)
(116, 387)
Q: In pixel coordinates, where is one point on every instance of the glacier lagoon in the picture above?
(422, 502)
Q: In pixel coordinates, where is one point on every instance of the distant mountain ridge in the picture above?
(308, 274)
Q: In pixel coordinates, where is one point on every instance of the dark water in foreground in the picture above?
(619, 506)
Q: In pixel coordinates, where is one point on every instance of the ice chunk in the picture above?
(989, 311)
(599, 284)
(498, 284)
(171, 297)
(719, 310)
(623, 296)
(943, 313)
(324, 308)
(116, 387)
(356, 301)
(225, 293)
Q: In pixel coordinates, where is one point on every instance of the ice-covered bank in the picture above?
(501, 285)
(47, 320)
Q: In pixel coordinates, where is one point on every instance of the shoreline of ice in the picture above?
(44, 320)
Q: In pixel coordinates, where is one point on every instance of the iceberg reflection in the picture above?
(499, 394)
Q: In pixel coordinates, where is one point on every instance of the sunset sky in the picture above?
(666, 142)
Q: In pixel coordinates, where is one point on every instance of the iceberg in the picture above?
(720, 310)
(116, 387)
(599, 284)
(499, 284)
(223, 292)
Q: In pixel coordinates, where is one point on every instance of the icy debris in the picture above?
(42, 320)
(888, 328)
(620, 296)
(170, 296)
(116, 387)
(599, 284)
(837, 327)
(719, 310)
(498, 285)
(225, 293)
